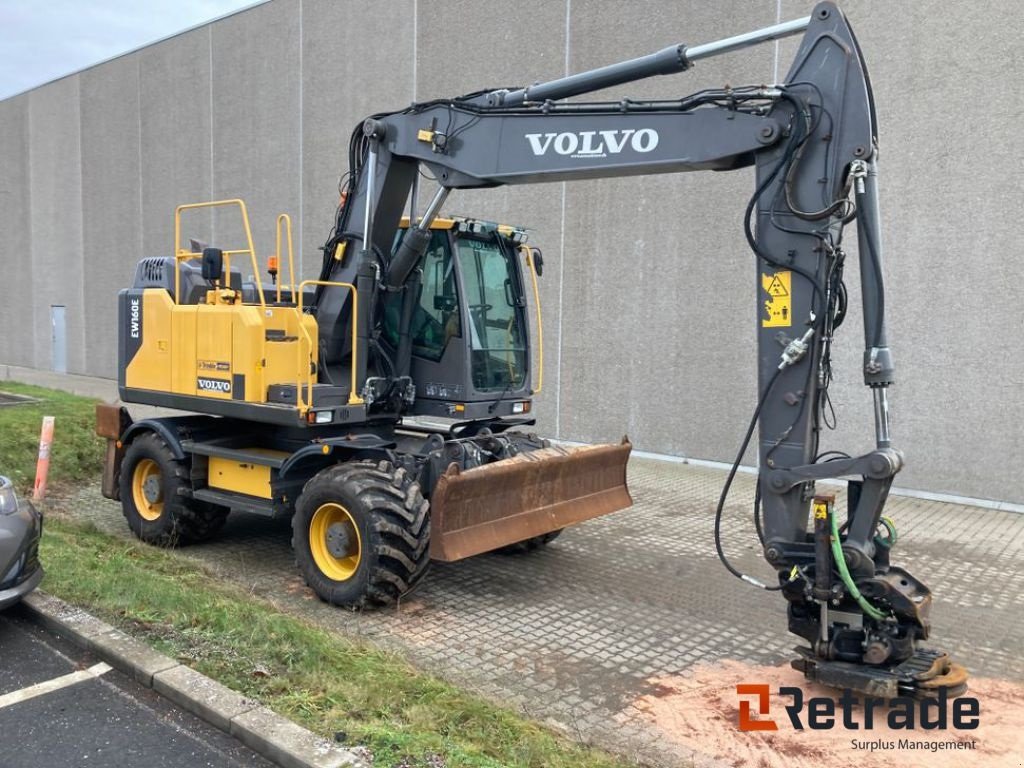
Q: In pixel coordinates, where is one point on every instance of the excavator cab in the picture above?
(470, 331)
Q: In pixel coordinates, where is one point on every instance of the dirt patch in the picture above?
(699, 711)
(296, 587)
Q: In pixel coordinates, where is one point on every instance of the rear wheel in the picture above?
(153, 496)
(361, 534)
(531, 544)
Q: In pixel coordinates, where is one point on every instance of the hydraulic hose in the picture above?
(728, 484)
(844, 574)
(890, 527)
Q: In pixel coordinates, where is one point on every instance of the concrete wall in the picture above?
(649, 286)
(55, 222)
(16, 331)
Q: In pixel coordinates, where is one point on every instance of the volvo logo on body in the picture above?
(593, 143)
(213, 385)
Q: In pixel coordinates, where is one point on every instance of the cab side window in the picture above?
(436, 319)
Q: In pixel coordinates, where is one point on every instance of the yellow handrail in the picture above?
(353, 397)
(291, 258)
(528, 253)
(183, 255)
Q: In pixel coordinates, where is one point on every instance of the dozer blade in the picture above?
(534, 493)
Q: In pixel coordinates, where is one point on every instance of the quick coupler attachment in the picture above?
(864, 633)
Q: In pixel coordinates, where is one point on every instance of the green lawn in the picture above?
(76, 455)
(326, 681)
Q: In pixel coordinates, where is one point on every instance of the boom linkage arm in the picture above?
(813, 142)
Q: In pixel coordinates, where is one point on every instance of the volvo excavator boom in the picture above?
(813, 140)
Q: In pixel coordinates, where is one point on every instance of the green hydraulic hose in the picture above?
(890, 528)
(844, 574)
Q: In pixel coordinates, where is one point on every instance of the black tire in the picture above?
(202, 520)
(168, 518)
(530, 545)
(392, 551)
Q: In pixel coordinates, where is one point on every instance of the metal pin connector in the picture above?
(795, 350)
(859, 172)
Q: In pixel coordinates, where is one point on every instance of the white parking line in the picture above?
(49, 686)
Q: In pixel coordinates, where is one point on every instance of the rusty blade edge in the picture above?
(489, 507)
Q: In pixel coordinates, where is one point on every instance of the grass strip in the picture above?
(77, 453)
(327, 682)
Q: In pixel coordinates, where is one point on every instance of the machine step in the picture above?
(259, 456)
(235, 501)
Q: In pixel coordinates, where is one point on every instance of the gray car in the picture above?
(20, 528)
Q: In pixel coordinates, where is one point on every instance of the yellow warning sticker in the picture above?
(779, 305)
(820, 510)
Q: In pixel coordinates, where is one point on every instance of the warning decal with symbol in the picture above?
(778, 306)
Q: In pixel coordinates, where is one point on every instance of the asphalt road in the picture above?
(90, 715)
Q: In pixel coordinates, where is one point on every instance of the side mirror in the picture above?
(213, 263)
(538, 261)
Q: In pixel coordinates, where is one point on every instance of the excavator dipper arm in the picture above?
(813, 140)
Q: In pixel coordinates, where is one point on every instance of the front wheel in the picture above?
(361, 534)
(154, 496)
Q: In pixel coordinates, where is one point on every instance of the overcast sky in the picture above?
(44, 39)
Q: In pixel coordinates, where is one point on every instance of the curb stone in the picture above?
(274, 737)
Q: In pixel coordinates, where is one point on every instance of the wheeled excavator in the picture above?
(306, 396)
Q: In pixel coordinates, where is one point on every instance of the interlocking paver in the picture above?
(572, 634)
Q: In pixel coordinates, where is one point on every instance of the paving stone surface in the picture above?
(574, 633)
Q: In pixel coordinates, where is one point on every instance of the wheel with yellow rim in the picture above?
(361, 534)
(147, 489)
(155, 500)
(334, 542)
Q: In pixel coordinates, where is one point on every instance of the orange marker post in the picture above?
(43, 462)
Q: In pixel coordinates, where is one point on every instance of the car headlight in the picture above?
(8, 499)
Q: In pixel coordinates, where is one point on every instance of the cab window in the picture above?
(436, 318)
(496, 323)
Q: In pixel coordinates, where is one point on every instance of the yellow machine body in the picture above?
(248, 477)
(220, 351)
